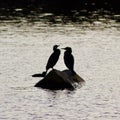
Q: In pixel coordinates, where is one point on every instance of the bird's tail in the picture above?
(43, 74)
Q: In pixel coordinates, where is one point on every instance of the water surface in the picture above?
(25, 45)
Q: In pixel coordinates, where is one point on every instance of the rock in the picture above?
(56, 79)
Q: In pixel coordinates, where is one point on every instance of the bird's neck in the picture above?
(55, 49)
(68, 52)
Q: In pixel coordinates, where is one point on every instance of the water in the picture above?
(25, 45)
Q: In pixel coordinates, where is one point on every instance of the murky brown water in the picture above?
(24, 49)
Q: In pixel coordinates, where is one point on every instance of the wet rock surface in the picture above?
(56, 79)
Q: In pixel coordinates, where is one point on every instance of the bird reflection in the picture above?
(69, 59)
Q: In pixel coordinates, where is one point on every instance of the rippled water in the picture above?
(25, 46)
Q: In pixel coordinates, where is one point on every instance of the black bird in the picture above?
(53, 58)
(69, 59)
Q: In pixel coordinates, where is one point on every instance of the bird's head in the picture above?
(67, 49)
(55, 47)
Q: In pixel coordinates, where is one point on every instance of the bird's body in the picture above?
(69, 59)
(53, 58)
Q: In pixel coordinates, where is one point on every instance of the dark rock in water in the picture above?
(56, 80)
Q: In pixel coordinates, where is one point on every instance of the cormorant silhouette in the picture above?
(69, 59)
(53, 58)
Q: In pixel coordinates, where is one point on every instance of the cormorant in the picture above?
(53, 58)
(69, 59)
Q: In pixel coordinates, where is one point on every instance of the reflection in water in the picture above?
(95, 41)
